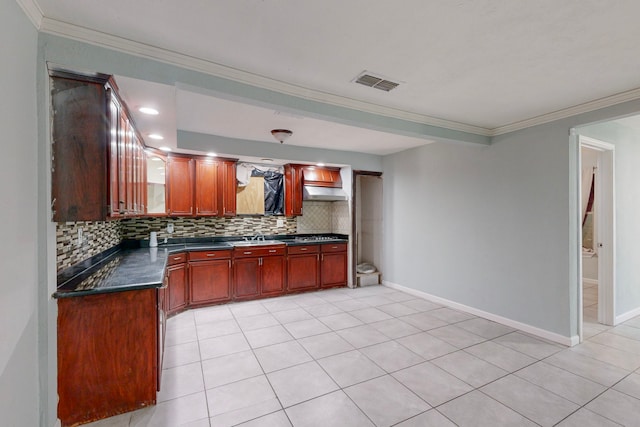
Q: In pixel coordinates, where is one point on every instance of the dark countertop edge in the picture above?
(84, 269)
(99, 291)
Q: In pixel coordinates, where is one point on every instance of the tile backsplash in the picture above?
(324, 217)
(139, 228)
(97, 236)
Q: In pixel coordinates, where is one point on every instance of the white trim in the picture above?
(97, 38)
(590, 281)
(33, 12)
(542, 333)
(586, 107)
(120, 44)
(627, 316)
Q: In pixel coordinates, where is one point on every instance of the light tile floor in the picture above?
(375, 356)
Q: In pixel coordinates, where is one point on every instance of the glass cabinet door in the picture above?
(156, 184)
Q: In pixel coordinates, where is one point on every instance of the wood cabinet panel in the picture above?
(80, 137)
(246, 278)
(306, 249)
(272, 275)
(180, 186)
(322, 176)
(303, 272)
(334, 247)
(208, 255)
(206, 187)
(333, 269)
(292, 190)
(229, 187)
(210, 281)
(174, 259)
(107, 354)
(177, 288)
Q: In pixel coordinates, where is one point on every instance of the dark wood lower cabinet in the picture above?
(107, 354)
(333, 265)
(272, 277)
(303, 272)
(210, 281)
(246, 278)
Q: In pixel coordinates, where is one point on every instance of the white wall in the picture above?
(495, 228)
(627, 193)
(19, 402)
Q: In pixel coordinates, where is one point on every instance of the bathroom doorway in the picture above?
(597, 238)
(367, 226)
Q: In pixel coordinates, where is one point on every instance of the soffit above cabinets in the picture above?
(490, 65)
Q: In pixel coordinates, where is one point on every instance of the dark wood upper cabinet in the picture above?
(180, 186)
(228, 186)
(96, 152)
(80, 133)
(206, 187)
(293, 190)
(321, 176)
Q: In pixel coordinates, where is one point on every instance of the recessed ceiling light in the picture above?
(155, 136)
(149, 110)
(320, 164)
(165, 148)
(211, 154)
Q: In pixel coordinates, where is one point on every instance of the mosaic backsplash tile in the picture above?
(98, 236)
(139, 228)
(340, 218)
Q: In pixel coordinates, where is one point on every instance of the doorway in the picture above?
(597, 237)
(367, 226)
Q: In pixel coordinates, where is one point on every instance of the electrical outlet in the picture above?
(80, 237)
(170, 228)
(280, 223)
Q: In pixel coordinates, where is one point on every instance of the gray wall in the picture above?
(495, 228)
(19, 403)
(627, 193)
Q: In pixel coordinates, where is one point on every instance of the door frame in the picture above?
(605, 226)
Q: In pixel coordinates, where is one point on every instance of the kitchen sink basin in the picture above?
(245, 243)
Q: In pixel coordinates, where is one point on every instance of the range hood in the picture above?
(327, 194)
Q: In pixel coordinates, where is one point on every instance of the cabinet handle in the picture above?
(229, 264)
(176, 258)
(248, 253)
(322, 257)
(303, 249)
(211, 254)
(260, 262)
(272, 250)
(334, 247)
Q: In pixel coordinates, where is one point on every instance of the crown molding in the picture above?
(32, 9)
(96, 38)
(586, 107)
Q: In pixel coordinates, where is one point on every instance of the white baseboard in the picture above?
(590, 281)
(626, 316)
(542, 333)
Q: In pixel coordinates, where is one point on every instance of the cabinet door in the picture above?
(272, 275)
(177, 287)
(206, 187)
(180, 184)
(247, 278)
(114, 126)
(334, 269)
(228, 187)
(302, 272)
(80, 132)
(292, 190)
(210, 281)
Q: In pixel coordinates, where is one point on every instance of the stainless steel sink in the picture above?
(245, 243)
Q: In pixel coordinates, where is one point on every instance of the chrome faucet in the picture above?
(258, 237)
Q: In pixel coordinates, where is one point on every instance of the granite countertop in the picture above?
(127, 268)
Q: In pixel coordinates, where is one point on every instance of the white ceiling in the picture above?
(486, 63)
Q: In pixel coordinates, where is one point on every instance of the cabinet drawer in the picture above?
(307, 249)
(259, 251)
(177, 259)
(334, 247)
(204, 255)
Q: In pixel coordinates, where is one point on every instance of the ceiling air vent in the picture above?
(368, 79)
